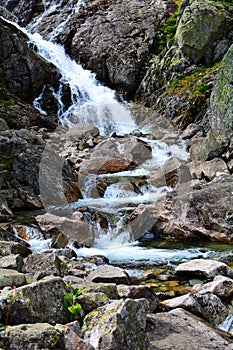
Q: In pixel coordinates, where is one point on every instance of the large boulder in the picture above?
(119, 325)
(20, 158)
(205, 269)
(203, 29)
(180, 330)
(36, 302)
(207, 306)
(76, 231)
(197, 210)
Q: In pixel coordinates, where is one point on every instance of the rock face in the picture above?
(202, 32)
(115, 39)
(220, 114)
(24, 72)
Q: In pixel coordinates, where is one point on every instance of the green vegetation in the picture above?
(71, 306)
(6, 162)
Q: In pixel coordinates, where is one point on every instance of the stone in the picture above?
(32, 336)
(40, 265)
(119, 325)
(13, 261)
(75, 230)
(109, 289)
(180, 330)
(92, 300)
(209, 169)
(108, 274)
(201, 26)
(221, 286)
(9, 277)
(40, 301)
(3, 125)
(196, 210)
(205, 269)
(137, 292)
(207, 306)
(71, 340)
(10, 247)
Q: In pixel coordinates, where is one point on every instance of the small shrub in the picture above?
(70, 304)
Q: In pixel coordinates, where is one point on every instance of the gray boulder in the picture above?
(116, 326)
(180, 330)
(202, 268)
(108, 274)
(36, 302)
(207, 306)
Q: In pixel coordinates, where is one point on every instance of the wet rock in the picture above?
(76, 231)
(36, 302)
(119, 325)
(205, 269)
(108, 274)
(32, 336)
(137, 292)
(180, 330)
(14, 262)
(221, 286)
(24, 71)
(208, 306)
(9, 277)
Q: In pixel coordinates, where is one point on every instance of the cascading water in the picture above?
(96, 104)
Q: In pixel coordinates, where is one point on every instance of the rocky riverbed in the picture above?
(164, 172)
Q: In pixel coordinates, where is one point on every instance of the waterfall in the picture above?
(96, 104)
(92, 102)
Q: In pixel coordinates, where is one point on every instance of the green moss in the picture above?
(6, 162)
